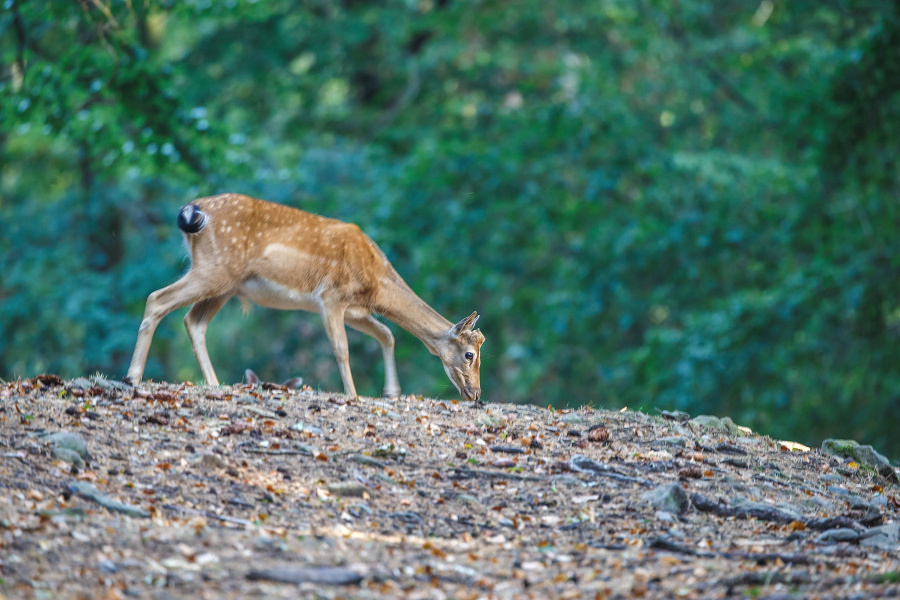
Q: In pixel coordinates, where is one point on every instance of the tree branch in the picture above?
(21, 42)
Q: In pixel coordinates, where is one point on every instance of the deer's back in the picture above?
(267, 246)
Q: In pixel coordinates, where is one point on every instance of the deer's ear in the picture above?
(465, 325)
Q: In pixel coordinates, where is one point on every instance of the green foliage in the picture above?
(652, 203)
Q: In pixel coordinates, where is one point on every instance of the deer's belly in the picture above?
(275, 295)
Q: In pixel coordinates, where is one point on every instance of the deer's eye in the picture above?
(469, 356)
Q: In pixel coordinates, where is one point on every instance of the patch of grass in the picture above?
(889, 577)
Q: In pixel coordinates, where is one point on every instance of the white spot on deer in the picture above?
(229, 229)
(234, 240)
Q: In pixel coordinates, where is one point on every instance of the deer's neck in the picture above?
(399, 304)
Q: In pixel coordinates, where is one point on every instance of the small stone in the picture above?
(89, 492)
(154, 567)
(675, 441)
(206, 558)
(301, 426)
(707, 421)
(725, 423)
(176, 563)
(858, 503)
(864, 455)
(572, 419)
(468, 499)
(70, 441)
(791, 509)
(261, 412)
(107, 566)
(384, 479)
(885, 537)
(833, 536)
(80, 383)
(348, 490)
(389, 451)
(358, 509)
(111, 384)
(306, 449)
(566, 479)
(211, 461)
(675, 415)
(836, 489)
(669, 498)
(368, 461)
(69, 456)
(664, 516)
(490, 420)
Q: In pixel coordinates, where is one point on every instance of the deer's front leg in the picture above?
(333, 317)
(191, 288)
(186, 290)
(378, 330)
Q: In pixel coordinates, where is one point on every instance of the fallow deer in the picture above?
(286, 258)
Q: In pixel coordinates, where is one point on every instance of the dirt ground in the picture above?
(180, 491)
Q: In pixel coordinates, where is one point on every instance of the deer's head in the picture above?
(462, 357)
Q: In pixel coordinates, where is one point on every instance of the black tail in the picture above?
(191, 219)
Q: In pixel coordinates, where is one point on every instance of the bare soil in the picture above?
(270, 492)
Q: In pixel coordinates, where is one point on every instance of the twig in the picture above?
(473, 473)
(790, 484)
(21, 42)
(664, 543)
(277, 452)
(20, 455)
(767, 578)
(704, 504)
(106, 12)
(730, 90)
(413, 81)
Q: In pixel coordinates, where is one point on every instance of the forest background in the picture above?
(673, 204)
